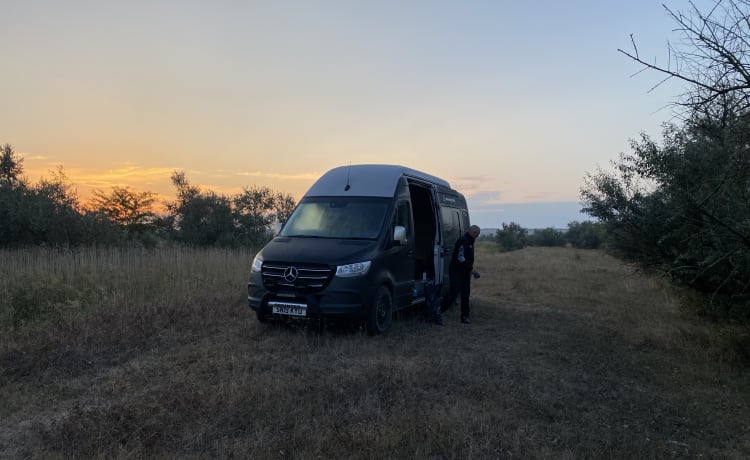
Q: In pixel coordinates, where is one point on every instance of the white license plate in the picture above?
(286, 309)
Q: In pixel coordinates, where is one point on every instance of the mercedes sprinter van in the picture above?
(361, 243)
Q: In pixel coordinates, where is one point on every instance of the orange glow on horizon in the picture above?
(157, 180)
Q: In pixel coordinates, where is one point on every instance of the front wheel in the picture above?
(380, 315)
(263, 316)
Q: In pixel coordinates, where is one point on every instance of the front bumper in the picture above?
(343, 297)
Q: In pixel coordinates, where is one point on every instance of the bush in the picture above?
(549, 237)
(585, 235)
(511, 237)
(34, 300)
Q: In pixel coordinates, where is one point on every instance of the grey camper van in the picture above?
(361, 243)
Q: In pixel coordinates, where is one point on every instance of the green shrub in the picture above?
(33, 300)
(511, 237)
(548, 237)
(585, 235)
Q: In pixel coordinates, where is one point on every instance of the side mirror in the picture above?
(399, 235)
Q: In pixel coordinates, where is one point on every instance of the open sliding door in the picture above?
(438, 254)
(428, 230)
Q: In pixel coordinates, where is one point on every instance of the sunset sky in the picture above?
(512, 102)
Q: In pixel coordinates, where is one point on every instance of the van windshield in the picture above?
(337, 217)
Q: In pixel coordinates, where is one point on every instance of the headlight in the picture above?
(257, 263)
(356, 269)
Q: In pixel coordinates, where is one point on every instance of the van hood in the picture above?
(331, 251)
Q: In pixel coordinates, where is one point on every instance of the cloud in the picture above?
(488, 198)
(470, 185)
(124, 175)
(277, 176)
(27, 157)
(535, 197)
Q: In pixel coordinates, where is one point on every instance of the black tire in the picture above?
(380, 316)
(263, 316)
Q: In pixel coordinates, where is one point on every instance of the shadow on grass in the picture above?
(412, 316)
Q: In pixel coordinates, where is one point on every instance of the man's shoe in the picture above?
(466, 320)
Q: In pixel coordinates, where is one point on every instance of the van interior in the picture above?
(423, 210)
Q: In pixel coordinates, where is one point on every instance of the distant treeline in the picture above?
(50, 213)
(582, 235)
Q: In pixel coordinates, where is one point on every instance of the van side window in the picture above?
(451, 226)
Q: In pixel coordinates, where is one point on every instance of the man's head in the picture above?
(474, 231)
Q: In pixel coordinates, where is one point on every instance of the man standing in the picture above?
(461, 271)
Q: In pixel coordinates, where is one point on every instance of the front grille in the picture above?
(309, 278)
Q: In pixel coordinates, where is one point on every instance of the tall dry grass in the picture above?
(570, 355)
(49, 284)
(645, 308)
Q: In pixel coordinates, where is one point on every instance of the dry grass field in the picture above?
(133, 354)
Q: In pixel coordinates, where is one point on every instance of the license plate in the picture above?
(292, 309)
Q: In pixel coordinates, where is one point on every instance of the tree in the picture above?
(55, 210)
(284, 205)
(254, 213)
(683, 206)
(200, 218)
(11, 167)
(257, 209)
(585, 235)
(126, 208)
(47, 213)
(712, 57)
(511, 237)
(548, 237)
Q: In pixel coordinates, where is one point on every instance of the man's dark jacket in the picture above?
(462, 260)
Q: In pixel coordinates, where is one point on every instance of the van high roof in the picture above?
(367, 180)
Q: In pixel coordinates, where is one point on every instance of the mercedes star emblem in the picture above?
(290, 274)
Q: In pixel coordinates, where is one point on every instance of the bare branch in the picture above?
(712, 54)
(634, 46)
(669, 72)
(659, 84)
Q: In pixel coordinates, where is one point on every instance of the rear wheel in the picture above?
(380, 315)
